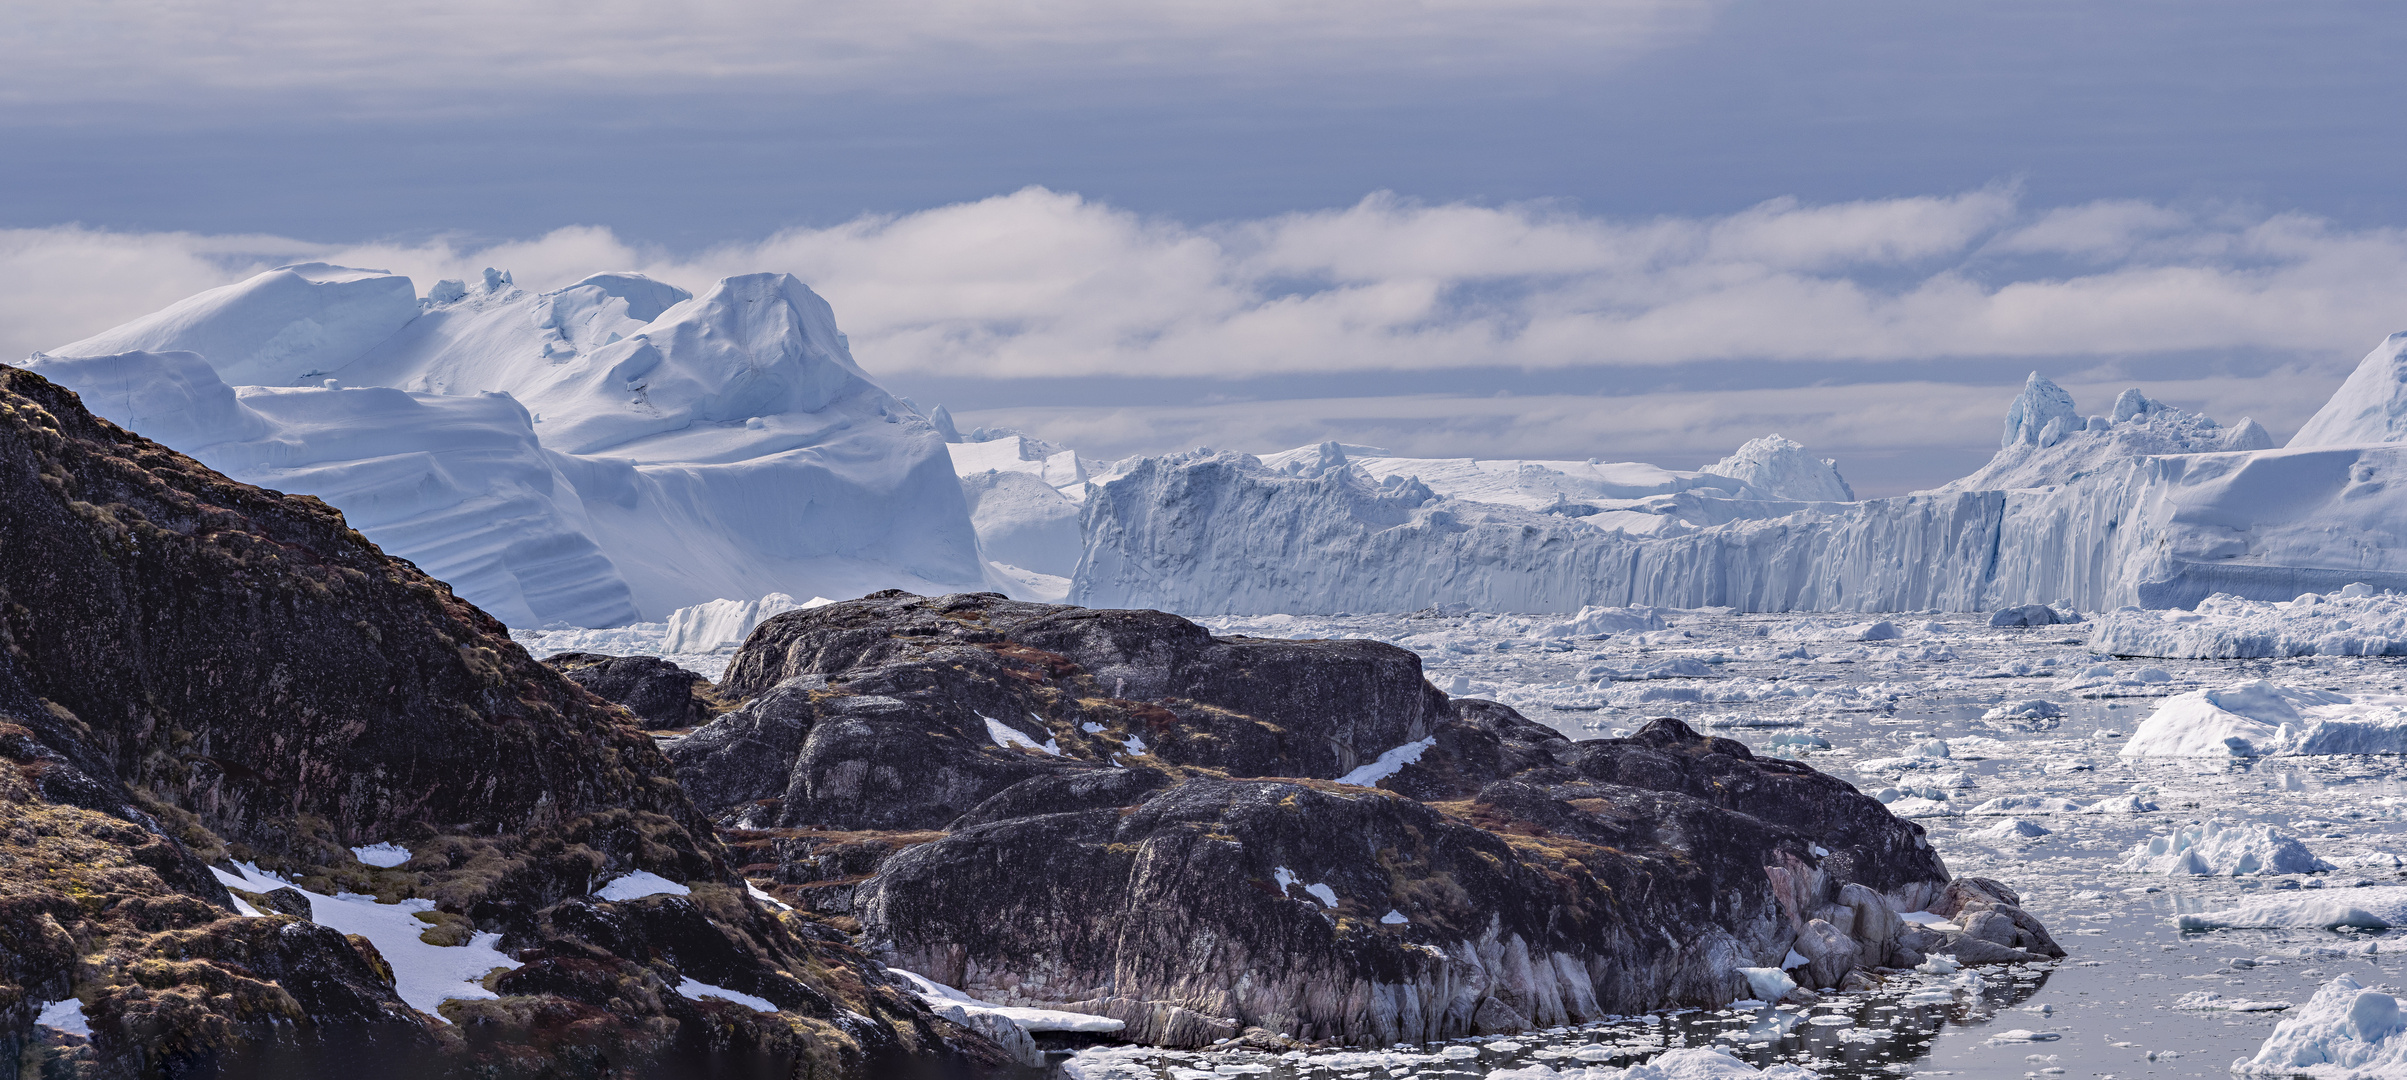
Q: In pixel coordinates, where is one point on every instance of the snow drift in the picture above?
(591, 456)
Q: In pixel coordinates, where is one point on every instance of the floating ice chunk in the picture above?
(2261, 719)
(67, 1016)
(696, 989)
(638, 885)
(385, 855)
(1883, 630)
(2011, 829)
(2028, 804)
(1596, 621)
(1917, 807)
(2119, 804)
(1007, 737)
(1769, 984)
(1391, 762)
(2221, 849)
(2366, 908)
(2208, 1001)
(1938, 963)
(2028, 709)
(2344, 1030)
(1701, 1063)
(2023, 1035)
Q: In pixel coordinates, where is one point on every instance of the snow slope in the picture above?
(592, 456)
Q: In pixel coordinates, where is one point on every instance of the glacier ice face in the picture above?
(586, 456)
(2160, 509)
(2370, 407)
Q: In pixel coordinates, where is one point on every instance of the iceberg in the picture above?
(2345, 1030)
(2222, 849)
(2364, 907)
(2262, 719)
(2355, 621)
(591, 456)
(2146, 506)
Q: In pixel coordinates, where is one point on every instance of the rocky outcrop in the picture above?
(659, 693)
(195, 671)
(1115, 812)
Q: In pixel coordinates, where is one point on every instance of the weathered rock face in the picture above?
(1116, 813)
(888, 712)
(194, 670)
(658, 692)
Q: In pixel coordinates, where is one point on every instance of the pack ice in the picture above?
(593, 456)
(2145, 506)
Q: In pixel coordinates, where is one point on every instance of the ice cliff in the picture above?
(2144, 505)
(591, 456)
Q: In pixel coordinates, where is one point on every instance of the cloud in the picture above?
(1876, 298)
(1040, 283)
(450, 53)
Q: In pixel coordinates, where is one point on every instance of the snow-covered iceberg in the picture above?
(2261, 719)
(2345, 1030)
(2355, 621)
(2365, 908)
(2223, 849)
(590, 456)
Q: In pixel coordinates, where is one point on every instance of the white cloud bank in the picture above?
(1039, 283)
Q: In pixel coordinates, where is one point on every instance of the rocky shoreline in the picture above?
(1111, 816)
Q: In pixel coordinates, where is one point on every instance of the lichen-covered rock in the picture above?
(194, 670)
(1116, 813)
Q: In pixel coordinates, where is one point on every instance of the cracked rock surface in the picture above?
(1116, 812)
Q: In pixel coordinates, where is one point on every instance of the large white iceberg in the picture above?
(2356, 621)
(2345, 1030)
(2145, 505)
(590, 456)
(2365, 908)
(2261, 719)
(2220, 848)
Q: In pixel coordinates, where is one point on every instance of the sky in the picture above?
(1630, 229)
